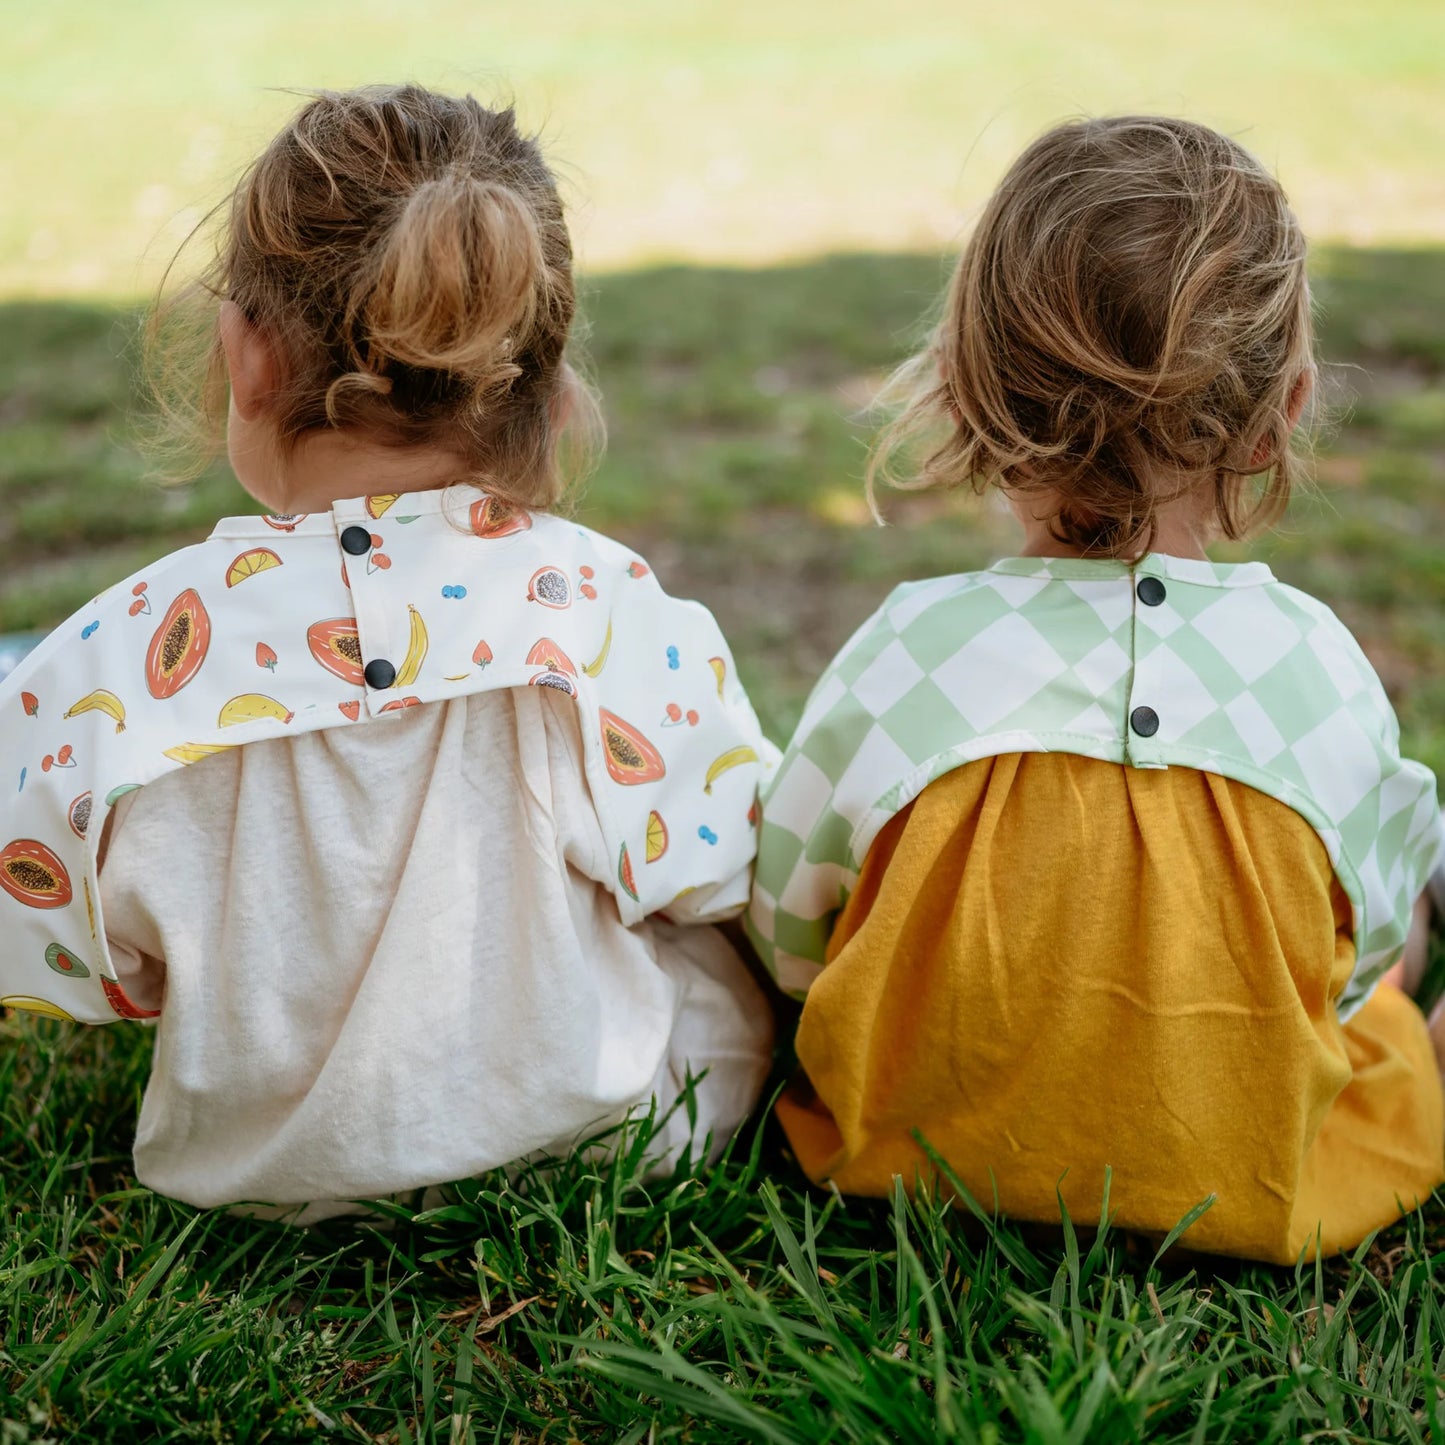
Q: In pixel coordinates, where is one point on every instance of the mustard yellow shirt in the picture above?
(1165, 1011)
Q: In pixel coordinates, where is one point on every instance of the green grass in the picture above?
(733, 401)
(717, 130)
(582, 1305)
(739, 1305)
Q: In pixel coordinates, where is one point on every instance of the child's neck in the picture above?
(1184, 529)
(328, 466)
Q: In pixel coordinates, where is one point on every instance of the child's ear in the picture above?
(251, 361)
(1295, 408)
(1299, 397)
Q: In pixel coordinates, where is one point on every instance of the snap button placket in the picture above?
(379, 673)
(1144, 721)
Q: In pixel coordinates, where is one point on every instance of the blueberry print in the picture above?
(673, 660)
(707, 835)
(86, 632)
(456, 592)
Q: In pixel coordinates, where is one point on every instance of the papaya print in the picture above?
(493, 518)
(252, 707)
(733, 758)
(99, 701)
(287, 522)
(625, 875)
(31, 874)
(201, 646)
(336, 645)
(78, 814)
(40, 1006)
(546, 653)
(594, 668)
(188, 753)
(179, 646)
(630, 757)
(656, 836)
(550, 587)
(65, 963)
(720, 671)
(248, 564)
(115, 996)
(416, 649)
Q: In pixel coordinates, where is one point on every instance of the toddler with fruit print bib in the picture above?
(405, 808)
(1105, 858)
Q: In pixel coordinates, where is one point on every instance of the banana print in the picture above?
(733, 758)
(415, 652)
(594, 668)
(251, 707)
(678, 822)
(188, 753)
(100, 701)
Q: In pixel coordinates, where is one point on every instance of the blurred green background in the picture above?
(765, 198)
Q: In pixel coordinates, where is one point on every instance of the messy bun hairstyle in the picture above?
(1127, 323)
(406, 254)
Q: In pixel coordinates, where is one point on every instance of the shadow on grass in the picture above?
(737, 446)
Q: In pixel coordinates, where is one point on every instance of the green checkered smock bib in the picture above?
(1165, 663)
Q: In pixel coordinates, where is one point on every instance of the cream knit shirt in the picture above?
(388, 957)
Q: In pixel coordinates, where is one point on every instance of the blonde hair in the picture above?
(1130, 315)
(406, 254)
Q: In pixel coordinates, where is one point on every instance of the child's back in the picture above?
(1121, 837)
(378, 800)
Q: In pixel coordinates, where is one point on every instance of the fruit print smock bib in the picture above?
(1166, 663)
(282, 625)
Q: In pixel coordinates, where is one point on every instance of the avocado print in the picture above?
(65, 963)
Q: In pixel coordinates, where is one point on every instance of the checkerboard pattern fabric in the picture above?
(1166, 663)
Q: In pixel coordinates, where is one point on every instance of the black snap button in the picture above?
(380, 673)
(1151, 591)
(1144, 720)
(356, 540)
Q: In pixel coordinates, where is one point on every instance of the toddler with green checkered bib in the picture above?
(1099, 872)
